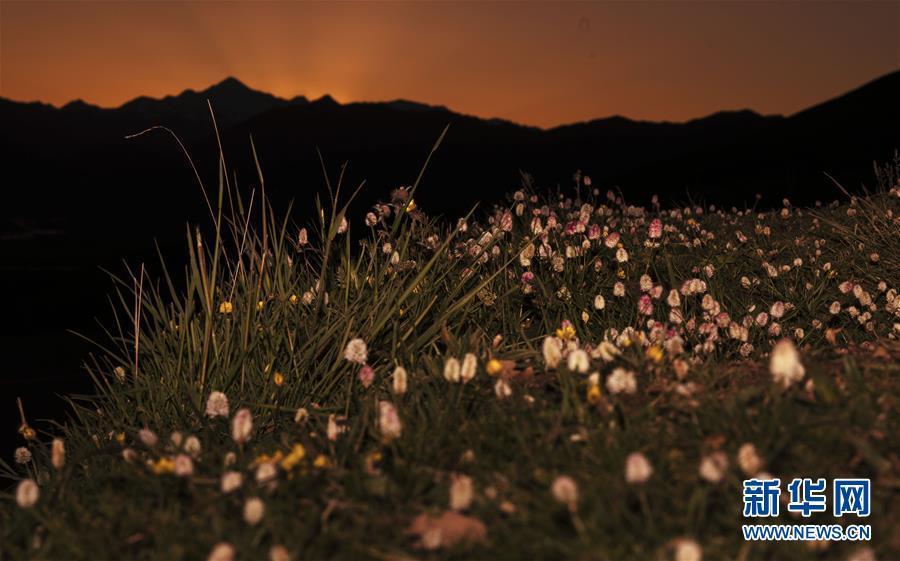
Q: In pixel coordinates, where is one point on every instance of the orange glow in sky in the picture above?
(540, 63)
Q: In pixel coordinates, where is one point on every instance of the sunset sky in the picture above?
(537, 63)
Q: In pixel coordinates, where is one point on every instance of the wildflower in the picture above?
(399, 381)
(221, 552)
(265, 472)
(192, 446)
(777, 310)
(637, 468)
(176, 438)
(655, 354)
(23, 455)
(184, 466)
(226, 307)
(645, 305)
(27, 493)
(748, 459)
(242, 426)
(565, 491)
(462, 491)
(296, 455)
(388, 421)
(599, 302)
(619, 290)
(217, 405)
(254, 510)
(469, 367)
(278, 379)
(621, 255)
(566, 331)
(302, 237)
(594, 395)
(552, 351)
(494, 367)
(612, 240)
(321, 462)
(161, 466)
(621, 381)
(606, 351)
(673, 299)
(58, 453)
(502, 389)
(784, 364)
(366, 375)
(279, 553)
(713, 467)
(148, 437)
(687, 550)
(356, 351)
(655, 229)
(578, 361)
(332, 430)
(231, 480)
(451, 370)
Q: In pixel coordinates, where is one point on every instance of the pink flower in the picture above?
(645, 305)
(655, 229)
(527, 277)
(366, 376)
(612, 240)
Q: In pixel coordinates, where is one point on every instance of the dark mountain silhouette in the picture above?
(77, 195)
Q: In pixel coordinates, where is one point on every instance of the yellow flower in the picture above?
(566, 332)
(322, 462)
(594, 394)
(27, 432)
(293, 299)
(120, 437)
(294, 457)
(260, 305)
(162, 466)
(278, 378)
(655, 354)
(226, 307)
(267, 459)
(411, 206)
(494, 367)
(400, 312)
(620, 273)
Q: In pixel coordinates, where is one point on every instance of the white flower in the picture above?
(58, 453)
(621, 381)
(748, 459)
(356, 351)
(599, 302)
(27, 493)
(148, 437)
(389, 421)
(399, 381)
(621, 255)
(637, 468)
(242, 426)
(451, 370)
(469, 367)
(254, 510)
(619, 290)
(606, 351)
(565, 491)
(687, 550)
(23, 455)
(462, 491)
(332, 431)
(578, 361)
(279, 553)
(502, 389)
(673, 299)
(184, 466)
(217, 405)
(713, 467)
(784, 364)
(221, 552)
(552, 350)
(266, 472)
(301, 415)
(192, 446)
(231, 480)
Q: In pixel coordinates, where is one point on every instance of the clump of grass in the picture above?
(541, 347)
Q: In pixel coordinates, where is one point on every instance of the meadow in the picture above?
(556, 377)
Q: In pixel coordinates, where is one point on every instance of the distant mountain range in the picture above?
(72, 169)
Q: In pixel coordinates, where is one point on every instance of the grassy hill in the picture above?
(552, 378)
